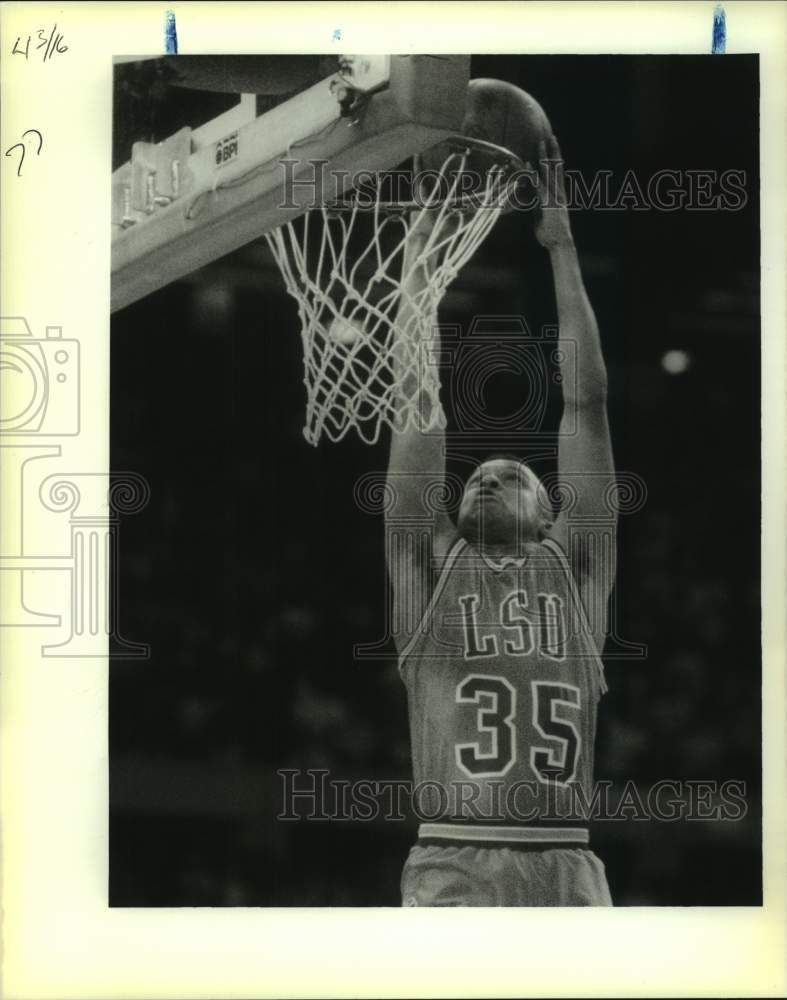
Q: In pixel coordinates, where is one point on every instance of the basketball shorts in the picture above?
(449, 875)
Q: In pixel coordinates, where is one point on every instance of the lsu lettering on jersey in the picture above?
(503, 680)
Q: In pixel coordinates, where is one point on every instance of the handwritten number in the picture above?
(21, 145)
(51, 45)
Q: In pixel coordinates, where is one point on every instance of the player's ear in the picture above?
(546, 510)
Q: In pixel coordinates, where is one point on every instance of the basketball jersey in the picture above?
(503, 680)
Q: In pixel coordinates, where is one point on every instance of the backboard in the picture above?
(207, 190)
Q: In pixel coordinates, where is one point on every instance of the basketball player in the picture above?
(503, 673)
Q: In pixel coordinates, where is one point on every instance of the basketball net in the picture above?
(368, 329)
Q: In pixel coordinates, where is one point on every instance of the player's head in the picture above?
(504, 502)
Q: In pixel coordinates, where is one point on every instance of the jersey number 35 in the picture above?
(553, 706)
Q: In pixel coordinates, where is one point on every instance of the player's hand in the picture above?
(553, 227)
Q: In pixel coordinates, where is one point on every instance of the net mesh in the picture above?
(368, 304)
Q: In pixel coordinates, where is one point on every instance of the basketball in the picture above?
(500, 113)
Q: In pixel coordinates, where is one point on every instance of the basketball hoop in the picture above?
(366, 335)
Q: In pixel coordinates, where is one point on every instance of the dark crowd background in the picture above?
(253, 575)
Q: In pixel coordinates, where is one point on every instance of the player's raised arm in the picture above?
(585, 462)
(417, 459)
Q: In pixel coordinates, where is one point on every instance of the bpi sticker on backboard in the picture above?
(227, 150)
